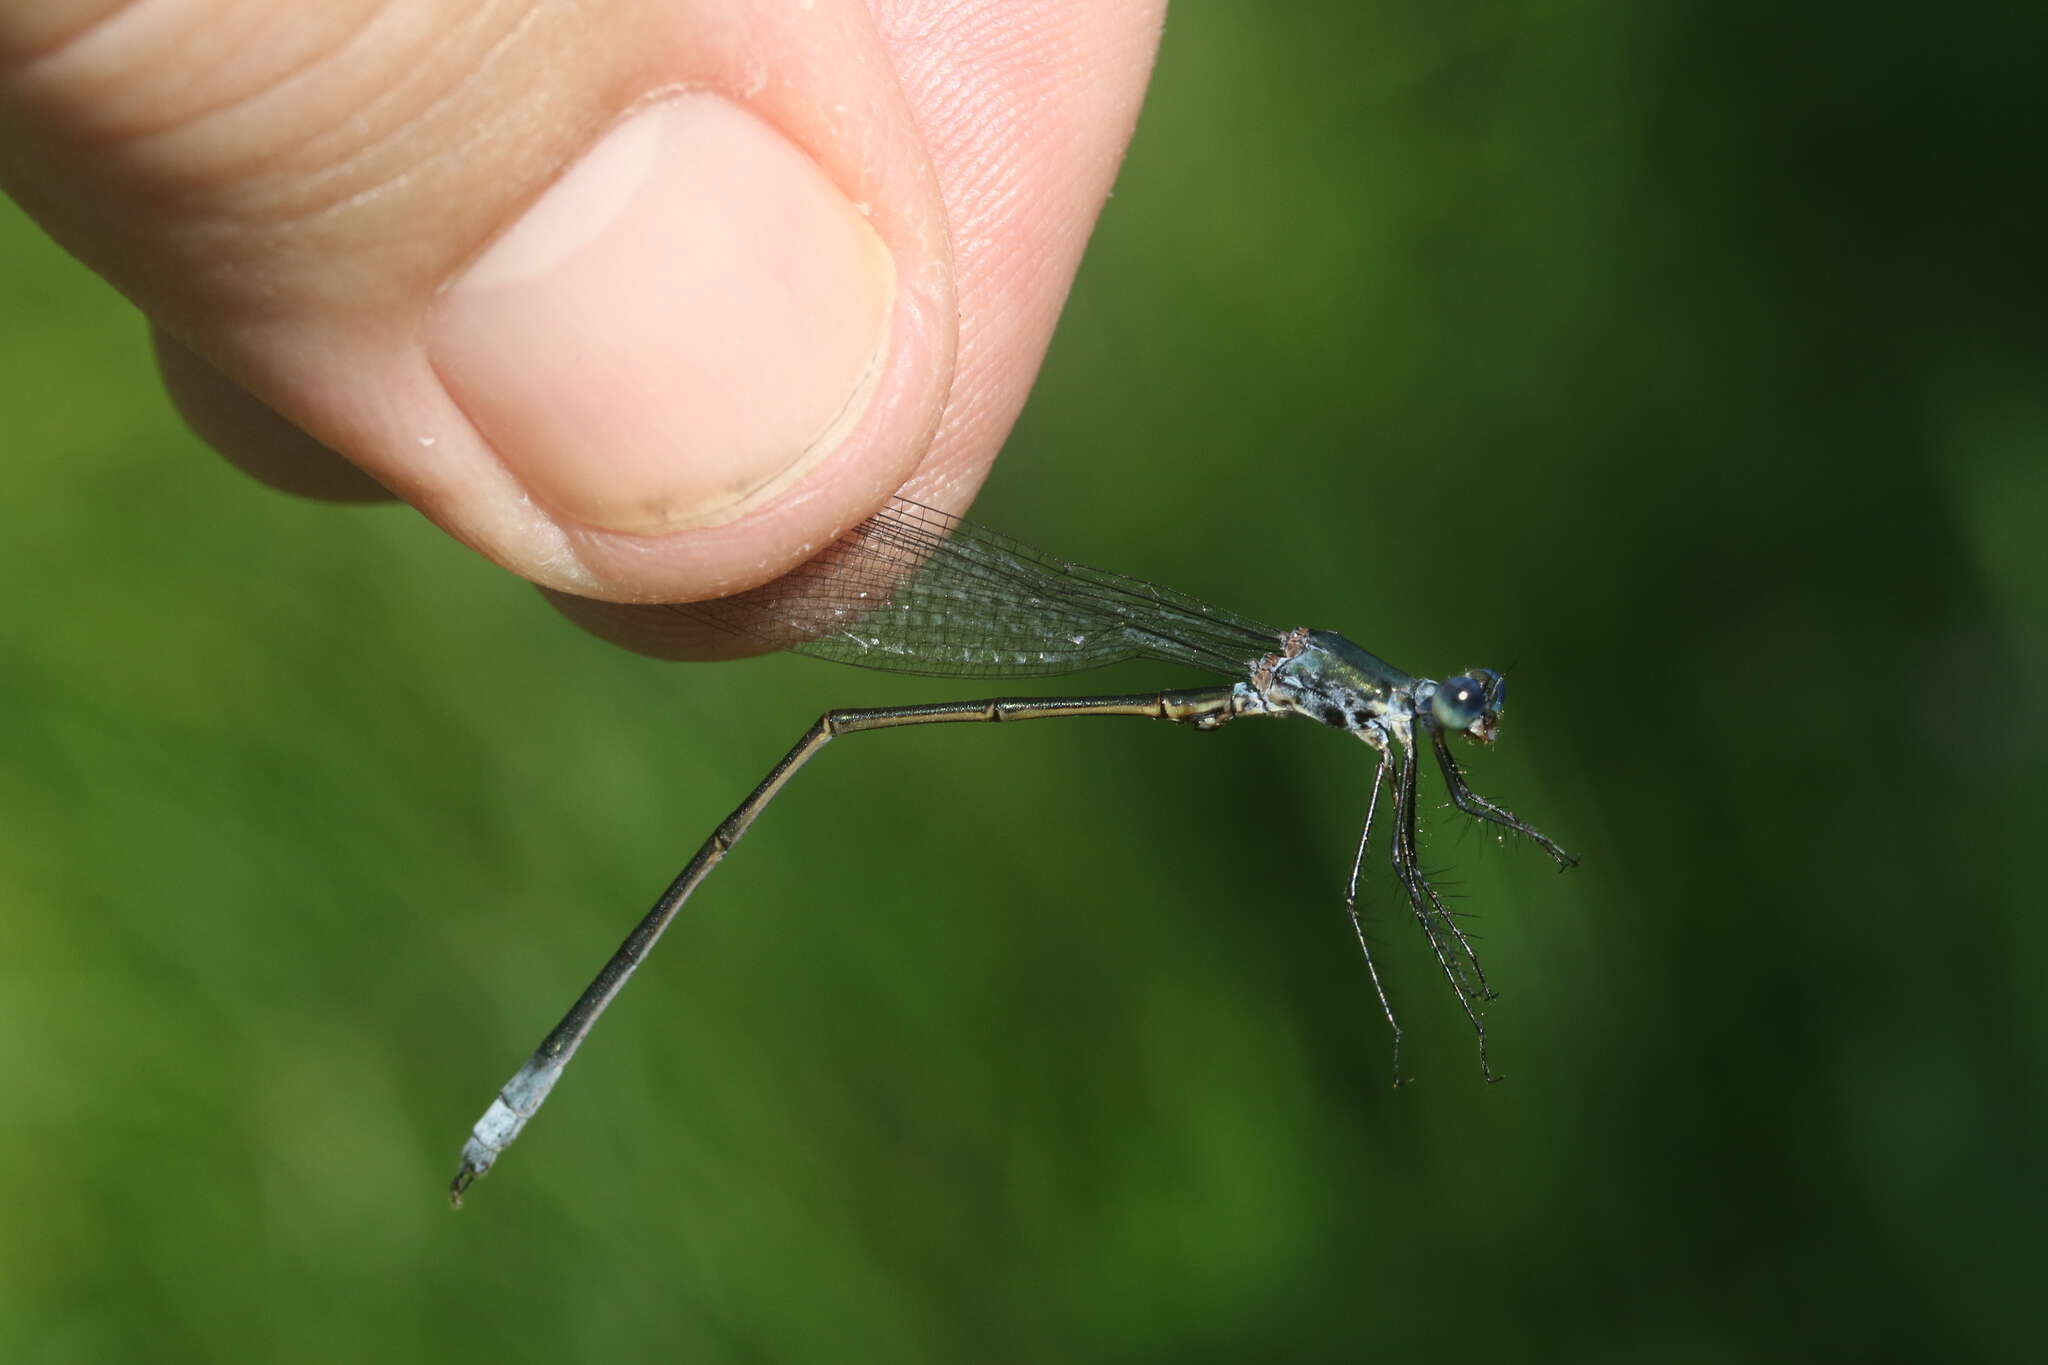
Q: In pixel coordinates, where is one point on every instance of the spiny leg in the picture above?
(1479, 808)
(1446, 939)
(1372, 805)
(1472, 983)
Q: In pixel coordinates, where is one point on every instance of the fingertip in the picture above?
(748, 354)
(697, 355)
(679, 329)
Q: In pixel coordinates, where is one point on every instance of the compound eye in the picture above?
(1459, 703)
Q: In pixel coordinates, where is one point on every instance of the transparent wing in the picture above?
(913, 590)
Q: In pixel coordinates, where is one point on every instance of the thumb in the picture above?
(642, 306)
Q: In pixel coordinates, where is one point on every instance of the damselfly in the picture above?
(913, 590)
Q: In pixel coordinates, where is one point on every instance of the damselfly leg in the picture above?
(1479, 808)
(1372, 805)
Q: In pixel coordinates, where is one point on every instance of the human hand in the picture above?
(644, 301)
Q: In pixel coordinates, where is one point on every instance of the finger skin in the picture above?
(251, 434)
(288, 223)
(1027, 111)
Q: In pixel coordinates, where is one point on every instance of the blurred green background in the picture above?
(1685, 359)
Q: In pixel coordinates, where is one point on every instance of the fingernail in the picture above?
(679, 327)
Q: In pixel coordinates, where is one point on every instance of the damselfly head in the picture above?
(1471, 703)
